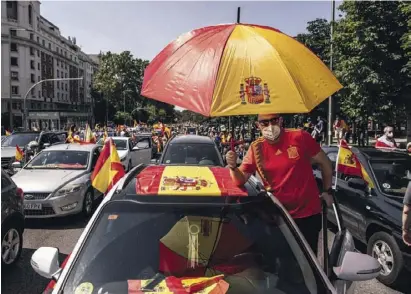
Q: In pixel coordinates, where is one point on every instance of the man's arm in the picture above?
(325, 165)
(241, 175)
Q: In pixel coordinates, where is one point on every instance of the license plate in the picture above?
(32, 206)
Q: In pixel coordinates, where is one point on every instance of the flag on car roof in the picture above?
(89, 137)
(19, 153)
(348, 164)
(108, 170)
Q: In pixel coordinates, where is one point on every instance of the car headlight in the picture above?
(69, 188)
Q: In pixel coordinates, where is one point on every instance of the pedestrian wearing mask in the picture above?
(283, 159)
(406, 217)
(387, 140)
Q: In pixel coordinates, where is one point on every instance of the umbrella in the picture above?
(238, 69)
(199, 246)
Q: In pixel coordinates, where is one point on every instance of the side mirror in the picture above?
(135, 148)
(356, 183)
(154, 161)
(16, 164)
(45, 261)
(357, 267)
(33, 144)
(45, 145)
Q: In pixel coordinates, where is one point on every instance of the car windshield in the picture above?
(192, 154)
(120, 144)
(19, 139)
(393, 175)
(248, 248)
(60, 159)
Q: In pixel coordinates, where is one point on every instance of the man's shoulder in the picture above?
(294, 133)
(257, 142)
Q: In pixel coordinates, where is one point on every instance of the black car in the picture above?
(191, 150)
(12, 221)
(374, 215)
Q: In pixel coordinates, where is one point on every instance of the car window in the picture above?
(54, 139)
(62, 137)
(60, 159)
(45, 138)
(254, 251)
(144, 143)
(120, 144)
(393, 175)
(19, 139)
(192, 154)
(96, 154)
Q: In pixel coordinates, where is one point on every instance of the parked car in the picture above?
(191, 150)
(242, 240)
(147, 137)
(374, 215)
(37, 140)
(56, 182)
(130, 153)
(12, 221)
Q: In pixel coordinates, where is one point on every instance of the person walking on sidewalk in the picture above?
(283, 159)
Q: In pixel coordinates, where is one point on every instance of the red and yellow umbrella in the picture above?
(238, 69)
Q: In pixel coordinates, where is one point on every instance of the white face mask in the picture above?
(272, 133)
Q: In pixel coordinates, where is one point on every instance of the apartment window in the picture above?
(66, 86)
(38, 66)
(38, 53)
(14, 61)
(32, 51)
(44, 43)
(58, 73)
(32, 93)
(33, 78)
(58, 96)
(38, 40)
(13, 47)
(30, 15)
(15, 90)
(38, 79)
(65, 66)
(66, 76)
(39, 95)
(14, 75)
(13, 33)
(58, 84)
(31, 36)
(71, 56)
(58, 62)
(32, 66)
(12, 10)
(50, 46)
(65, 53)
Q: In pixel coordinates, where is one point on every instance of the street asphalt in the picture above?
(63, 233)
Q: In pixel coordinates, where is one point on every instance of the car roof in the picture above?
(120, 138)
(73, 147)
(371, 152)
(180, 182)
(183, 139)
(26, 132)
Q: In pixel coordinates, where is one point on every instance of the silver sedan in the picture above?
(56, 182)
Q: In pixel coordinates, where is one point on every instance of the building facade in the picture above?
(34, 50)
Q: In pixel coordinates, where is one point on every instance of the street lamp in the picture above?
(33, 86)
(10, 80)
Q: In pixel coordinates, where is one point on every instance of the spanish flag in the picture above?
(105, 135)
(19, 153)
(348, 164)
(89, 137)
(70, 138)
(108, 170)
(8, 133)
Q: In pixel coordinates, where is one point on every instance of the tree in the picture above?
(370, 59)
(406, 46)
(121, 118)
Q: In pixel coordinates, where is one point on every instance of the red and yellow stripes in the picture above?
(108, 170)
(19, 153)
(238, 69)
(187, 180)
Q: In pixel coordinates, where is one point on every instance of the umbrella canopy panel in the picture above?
(239, 69)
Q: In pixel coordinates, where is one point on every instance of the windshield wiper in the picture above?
(157, 279)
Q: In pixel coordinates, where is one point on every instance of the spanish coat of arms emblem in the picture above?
(256, 91)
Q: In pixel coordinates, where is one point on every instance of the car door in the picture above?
(144, 150)
(7, 195)
(134, 155)
(94, 158)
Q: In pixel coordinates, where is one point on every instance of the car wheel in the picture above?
(88, 203)
(11, 244)
(384, 248)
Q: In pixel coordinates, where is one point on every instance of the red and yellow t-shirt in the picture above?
(285, 168)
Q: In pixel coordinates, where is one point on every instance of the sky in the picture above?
(145, 28)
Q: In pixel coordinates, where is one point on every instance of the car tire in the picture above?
(16, 234)
(390, 256)
(88, 203)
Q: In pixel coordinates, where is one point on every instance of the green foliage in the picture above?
(370, 59)
(122, 118)
(119, 78)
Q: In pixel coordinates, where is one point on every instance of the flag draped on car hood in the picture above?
(187, 180)
(108, 170)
